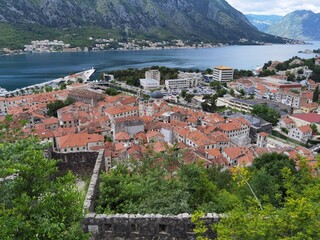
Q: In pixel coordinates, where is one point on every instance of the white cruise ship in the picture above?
(3, 92)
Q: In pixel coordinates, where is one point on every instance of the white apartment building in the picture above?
(153, 74)
(222, 74)
(194, 75)
(302, 133)
(181, 83)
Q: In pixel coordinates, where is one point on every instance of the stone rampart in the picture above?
(149, 227)
(128, 226)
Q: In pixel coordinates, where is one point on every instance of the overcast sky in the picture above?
(276, 7)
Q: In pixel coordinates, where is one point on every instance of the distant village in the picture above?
(101, 44)
(126, 124)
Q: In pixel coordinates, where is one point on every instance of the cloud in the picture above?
(276, 7)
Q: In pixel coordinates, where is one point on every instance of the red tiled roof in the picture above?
(121, 136)
(305, 129)
(79, 140)
(308, 117)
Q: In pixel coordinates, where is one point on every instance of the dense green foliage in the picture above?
(209, 104)
(36, 204)
(296, 218)
(310, 63)
(315, 96)
(266, 113)
(242, 73)
(155, 186)
(132, 76)
(112, 91)
(11, 129)
(269, 200)
(56, 105)
(15, 37)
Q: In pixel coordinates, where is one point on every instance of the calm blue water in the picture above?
(23, 70)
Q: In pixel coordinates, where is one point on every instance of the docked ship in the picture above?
(3, 92)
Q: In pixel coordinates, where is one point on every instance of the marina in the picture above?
(83, 76)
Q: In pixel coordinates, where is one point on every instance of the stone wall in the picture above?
(125, 226)
(80, 163)
(89, 203)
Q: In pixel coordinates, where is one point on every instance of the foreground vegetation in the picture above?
(35, 203)
(269, 200)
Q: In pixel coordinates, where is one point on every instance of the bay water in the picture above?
(18, 71)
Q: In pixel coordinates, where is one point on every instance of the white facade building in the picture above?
(222, 74)
(181, 83)
(194, 75)
(301, 134)
(153, 74)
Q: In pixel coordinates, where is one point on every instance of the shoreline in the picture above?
(154, 49)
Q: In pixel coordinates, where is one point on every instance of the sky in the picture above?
(274, 7)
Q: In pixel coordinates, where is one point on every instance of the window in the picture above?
(135, 228)
(108, 227)
(163, 228)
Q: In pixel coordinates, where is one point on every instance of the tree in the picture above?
(101, 76)
(295, 219)
(112, 91)
(314, 129)
(266, 113)
(35, 203)
(63, 86)
(232, 92)
(11, 129)
(274, 164)
(209, 103)
(80, 80)
(208, 71)
(53, 107)
(48, 88)
(183, 93)
(315, 97)
(290, 76)
(216, 85)
(189, 97)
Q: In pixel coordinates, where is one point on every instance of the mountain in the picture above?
(199, 20)
(263, 22)
(301, 25)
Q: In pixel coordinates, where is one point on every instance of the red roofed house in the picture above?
(302, 133)
(122, 137)
(122, 112)
(307, 119)
(198, 139)
(286, 122)
(238, 156)
(237, 130)
(51, 123)
(153, 136)
(80, 142)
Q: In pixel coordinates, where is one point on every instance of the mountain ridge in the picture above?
(263, 22)
(300, 25)
(201, 20)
